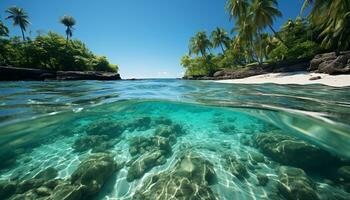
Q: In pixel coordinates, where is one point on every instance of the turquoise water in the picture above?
(176, 139)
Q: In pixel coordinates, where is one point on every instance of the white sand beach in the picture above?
(299, 78)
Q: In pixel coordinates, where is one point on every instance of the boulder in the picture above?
(262, 179)
(236, 167)
(295, 185)
(330, 63)
(189, 179)
(112, 129)
(98, 143)
(140, 124)
(93, 172)
(295, 152)
(47, 174)
(148, 153)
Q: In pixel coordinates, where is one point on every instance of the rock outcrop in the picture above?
(190, 179)
(330, 63)
(294, 152)
(21, 74)
(85, 183)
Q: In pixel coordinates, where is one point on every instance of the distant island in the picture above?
(49, 56)
(318, 43)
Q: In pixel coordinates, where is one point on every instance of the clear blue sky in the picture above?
(146, 38)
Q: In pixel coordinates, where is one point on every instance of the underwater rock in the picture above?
(98, 143)
(68, 191)
(291, 151)
(47, 174)
(262, 179)
(163, 121)
(190, 179)
(140, 124)
(153, 151)
(295, 185)
(170, 132)
(255, 157)
(112, 129)
(343, 176)
(7, 189)
(141, 145)
(94, 171)
(145, 163)
(227, 128)
(236, 167)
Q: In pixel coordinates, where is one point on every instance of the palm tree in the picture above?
(69, 22)
(332, 18)
(4, 31)
(264, 13)
(220, 38)
(238, 9)
(19, 18)
(200, 44)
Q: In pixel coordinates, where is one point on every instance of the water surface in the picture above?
(223, 124)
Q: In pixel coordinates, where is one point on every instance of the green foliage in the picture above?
(199, 66)
(305, 49)
(4, 31)
(52, 52)
(332, 19)
(200, 44)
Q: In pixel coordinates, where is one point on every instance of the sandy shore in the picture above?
(300, 78)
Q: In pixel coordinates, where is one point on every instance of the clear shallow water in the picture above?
(42, 121)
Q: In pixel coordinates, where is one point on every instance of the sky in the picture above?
(146, 38)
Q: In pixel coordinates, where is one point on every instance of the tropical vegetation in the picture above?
(51, 51)
(254, 41)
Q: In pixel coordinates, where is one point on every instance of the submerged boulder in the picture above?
(145, 163)
(236, 167)
(295, 185)
(98, 143)
(112, 129)
(47, 174)
(148, 153)
(141, 145)
(189, 179)
(94, 171)
(140, 124)
(291, 151)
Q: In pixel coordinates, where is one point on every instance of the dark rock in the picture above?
(112, 129)
(93, 172)
(98, 143)
(47, 174)
(153, 151)
(27, 185)
(315, 78)
(295, 185)
(163, 121)
(262, 179)
(140, 124)
(227, 128)
(291, 151)
(331, 63)
(18, 74)
(190, 179)
(7, 189)
(43, 191)
(344, 174)
(145, 163)
(236, 167)
(141, 145)
(68, 191)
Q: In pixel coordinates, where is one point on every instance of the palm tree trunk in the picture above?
(23, 34)
(278, 36)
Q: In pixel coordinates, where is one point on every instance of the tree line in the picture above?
(326, 28)
(50, 51)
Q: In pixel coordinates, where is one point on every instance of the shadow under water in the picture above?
(158, 149)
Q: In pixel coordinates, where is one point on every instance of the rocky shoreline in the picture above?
(8, 73)
(328, 63)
